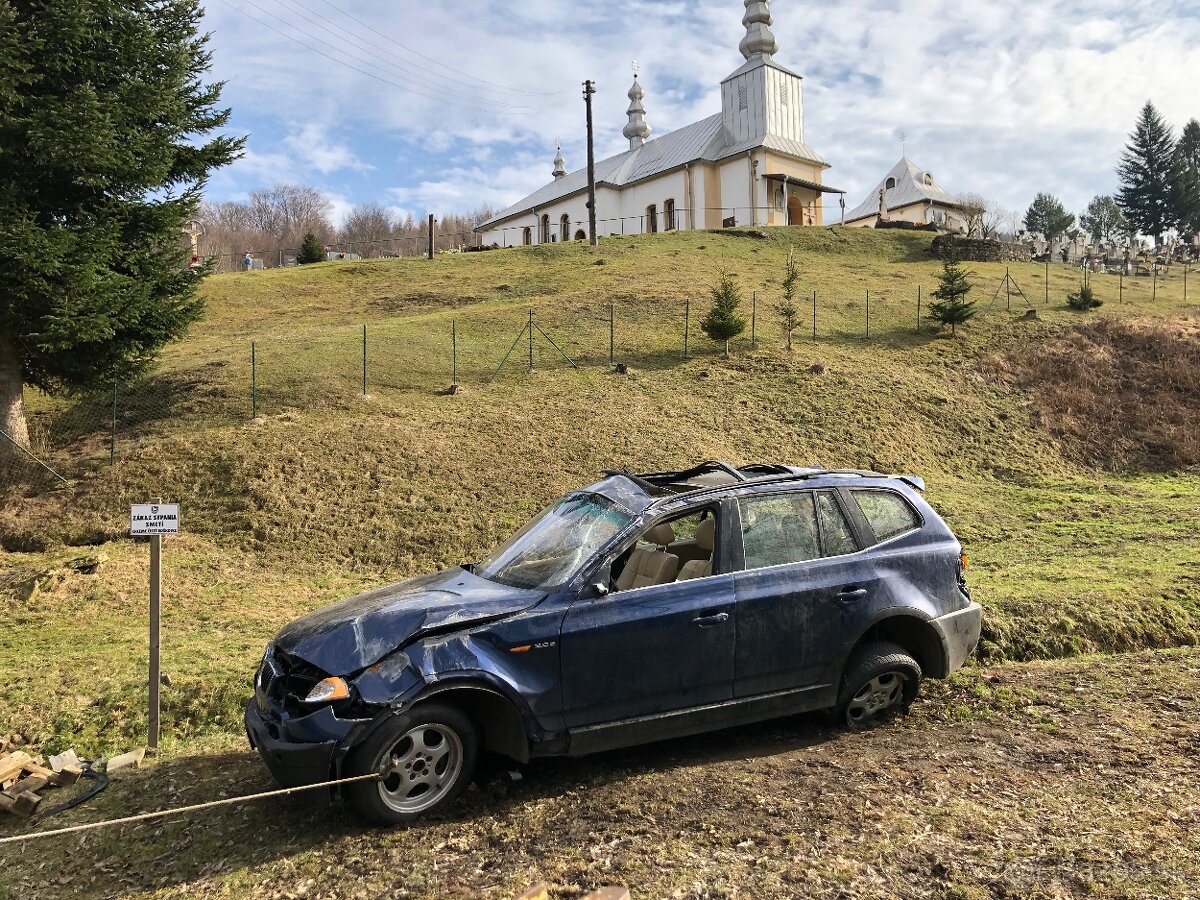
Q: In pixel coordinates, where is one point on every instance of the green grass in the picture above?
(329, 491)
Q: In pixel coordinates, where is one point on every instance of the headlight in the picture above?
(327, 690)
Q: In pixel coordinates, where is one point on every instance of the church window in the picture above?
(527, 236)
(651, 219)
(928, 180)
(743, 97)
(669, 215)
(564, 227)
(890, 183)
(783, 94)
(544, 237)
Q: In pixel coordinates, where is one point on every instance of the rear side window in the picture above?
(838, 539)
(888, 514)
(779, 529)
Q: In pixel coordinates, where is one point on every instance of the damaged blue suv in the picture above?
(639, 608)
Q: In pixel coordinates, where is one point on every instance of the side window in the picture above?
(836, 530)
(778, 529)
(888, 514)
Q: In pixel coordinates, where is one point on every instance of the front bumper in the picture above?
(960, 634)
(305, 750)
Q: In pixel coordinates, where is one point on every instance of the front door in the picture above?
(649, 650)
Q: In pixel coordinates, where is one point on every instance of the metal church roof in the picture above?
(705, 141)
(910, 188)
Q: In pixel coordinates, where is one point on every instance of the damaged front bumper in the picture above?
(303, 750)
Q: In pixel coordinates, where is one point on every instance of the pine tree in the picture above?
(789, 314)
(722, 323)
(1149, 176)
(310, 251)
(1187, 154)
(103, 157)
(1047, 215)
(952, 306)
(1104, 220)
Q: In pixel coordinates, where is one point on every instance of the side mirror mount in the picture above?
(598, 589)
(599, 584)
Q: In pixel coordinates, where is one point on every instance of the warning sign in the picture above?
(153, 518)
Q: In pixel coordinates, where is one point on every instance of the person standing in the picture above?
(247, 261)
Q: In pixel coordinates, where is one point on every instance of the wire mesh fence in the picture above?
(336, 369)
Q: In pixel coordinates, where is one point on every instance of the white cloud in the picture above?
(1003, 99)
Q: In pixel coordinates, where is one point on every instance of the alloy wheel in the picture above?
(420, 768)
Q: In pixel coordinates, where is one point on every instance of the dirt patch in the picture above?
(1118, 393)
(420, 301)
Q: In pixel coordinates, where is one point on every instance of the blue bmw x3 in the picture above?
(638, 608)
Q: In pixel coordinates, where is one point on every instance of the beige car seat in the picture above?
(706, 533)
(646, 567)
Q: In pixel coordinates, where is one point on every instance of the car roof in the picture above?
(641, 491)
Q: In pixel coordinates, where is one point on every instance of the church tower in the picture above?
(762, 97)
(638, 130)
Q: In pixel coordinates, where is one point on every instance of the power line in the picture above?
(342, 62)
(358, 43)
(439, 62)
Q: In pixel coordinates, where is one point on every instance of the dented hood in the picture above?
(359, 631)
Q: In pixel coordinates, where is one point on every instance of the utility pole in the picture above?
(589, 88)
(431, 235)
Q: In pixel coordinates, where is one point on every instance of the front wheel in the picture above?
(424, 757)
(880, 680)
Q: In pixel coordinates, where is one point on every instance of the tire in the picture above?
(427, 756)
(880, 679)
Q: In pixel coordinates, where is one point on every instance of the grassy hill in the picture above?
(329, 490)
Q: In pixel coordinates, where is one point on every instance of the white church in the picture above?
(746, 165)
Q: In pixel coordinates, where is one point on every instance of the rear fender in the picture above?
(912, 629)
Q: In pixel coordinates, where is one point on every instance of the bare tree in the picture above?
(367, 227)
(984, 216)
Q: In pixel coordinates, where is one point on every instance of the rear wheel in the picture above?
(424, 758)
(880, 680)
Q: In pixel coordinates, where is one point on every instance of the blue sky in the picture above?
(446, 105)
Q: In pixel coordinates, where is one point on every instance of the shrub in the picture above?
(1084, 299)
(722, 323)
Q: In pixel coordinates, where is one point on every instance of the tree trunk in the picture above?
(12, 404)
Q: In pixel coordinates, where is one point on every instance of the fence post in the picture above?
(754, 320)
(453, 353)
(530, 340)
(687, 316)
(918, 309)
(611, 333)
(1048, 252)
(814, 315)
(112, 439)
(1154, 288)
(1186, 266)
(364, 360)
(253, 380)
(868, 314)
(1121, 281)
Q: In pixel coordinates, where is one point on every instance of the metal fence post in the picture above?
(612, 333)
(530, 340)
(687, 317)
(918, 309)
(253, 380)
(868, 314)
(814, 315)
(112, 439)
(453, 352)
(754, 320)
(1154, 287)
(1121, 281)
(364, 360)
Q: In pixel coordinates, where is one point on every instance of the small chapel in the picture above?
(747, 165)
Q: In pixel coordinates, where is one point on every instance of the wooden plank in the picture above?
(13, 764)
(22, 805)
(66, 775)
(30, 783)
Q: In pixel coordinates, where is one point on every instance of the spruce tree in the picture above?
(105, 147)
(722, 323)
(310, 251)
(1149, 176)
(789, 314)
(1048, 215)
(1187, 155)
(952, 306)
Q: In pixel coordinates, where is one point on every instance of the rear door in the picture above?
(650, 650)
(800, 590)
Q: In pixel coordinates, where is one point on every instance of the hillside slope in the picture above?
(328, 490)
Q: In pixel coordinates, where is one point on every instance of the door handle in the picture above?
(710, 621)
(852, 594)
